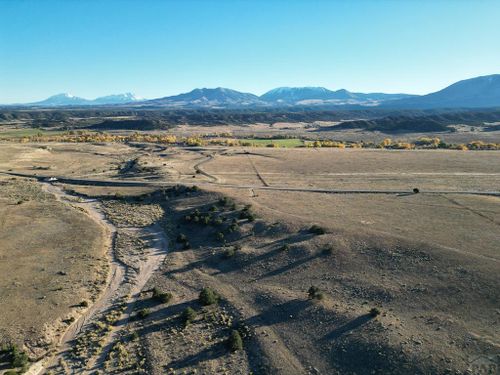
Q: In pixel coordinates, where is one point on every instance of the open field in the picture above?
(53, 259)
(428, 262)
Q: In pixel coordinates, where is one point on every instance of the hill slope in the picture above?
(470, 93)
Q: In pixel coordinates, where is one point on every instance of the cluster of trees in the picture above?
(421, 143)
(84, 136)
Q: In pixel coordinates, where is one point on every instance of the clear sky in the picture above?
(156, 48)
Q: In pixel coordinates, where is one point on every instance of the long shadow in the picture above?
(278, 313)
(161, 315)
(295, 238)
(404, 194)
(349, 326)
(290, 266)
(189, 267)
(213, 352)
(248, 262)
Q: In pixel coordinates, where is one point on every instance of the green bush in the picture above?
(285, 247)
(188, 315)
(374, 311)
(208, 297)
(143, 313)
(315, 293)
(229, 253)
(316, 229)
(219, 236)
(235, 341)
(181, 238)
(19, 359)
(163, 297)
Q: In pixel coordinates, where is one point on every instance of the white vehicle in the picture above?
(50, 179)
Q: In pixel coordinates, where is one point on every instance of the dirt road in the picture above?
(123, 280)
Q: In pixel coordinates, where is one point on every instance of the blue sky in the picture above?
(157, 48)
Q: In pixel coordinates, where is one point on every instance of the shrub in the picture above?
(188, 315)
(181, 238)
(247, 214)
(186, 245)
(285, 247)
(143, 313)
(84, 304)
(218, 221)
(315, 293)
(233, 227)
(374, 311)
(219, 236)
(244, 330)
(224, 201)
(235, 341)
(416, 190)
(316, 229)
(163, 297)
(208, 297)
(18, 358)
(229, 253)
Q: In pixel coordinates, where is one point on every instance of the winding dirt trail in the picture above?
(122, 280)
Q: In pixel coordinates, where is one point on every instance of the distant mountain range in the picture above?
(479, 92)
(70, 100)
(212, 98)
(321, 95)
